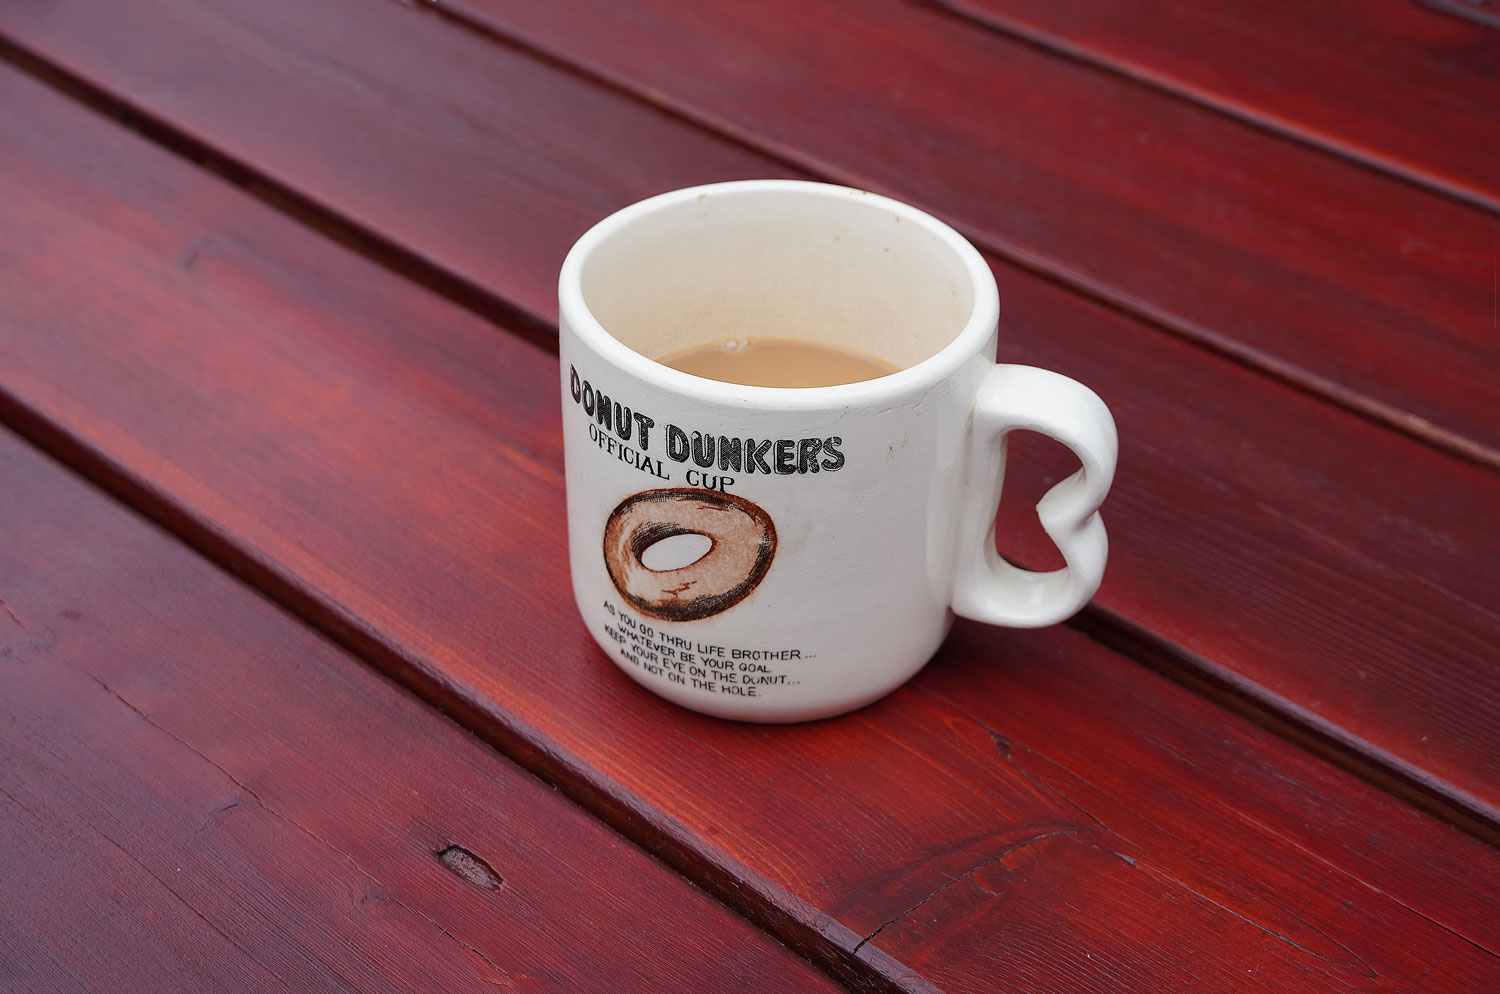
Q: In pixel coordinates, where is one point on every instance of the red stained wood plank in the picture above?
(1353, 285)
(470, 159)
(198, 793)
(1397, 84)
(1227, 546)
(1034, 811)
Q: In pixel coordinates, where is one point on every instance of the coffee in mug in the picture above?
(777, 362)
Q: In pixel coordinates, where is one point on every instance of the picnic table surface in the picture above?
(295, 696)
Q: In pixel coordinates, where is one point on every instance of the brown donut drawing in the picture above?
(743, 542)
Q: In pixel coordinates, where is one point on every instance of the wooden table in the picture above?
(294, 695)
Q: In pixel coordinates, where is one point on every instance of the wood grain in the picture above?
(1400, 86)
(1228, 549)
(1034, 811)
(470, 158)
(199, 794)
(1354, 286)
(1351, 285)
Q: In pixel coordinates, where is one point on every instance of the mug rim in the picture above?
(965, 345)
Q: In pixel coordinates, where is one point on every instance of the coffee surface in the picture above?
(777, 362)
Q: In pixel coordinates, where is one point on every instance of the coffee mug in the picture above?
(788, 553)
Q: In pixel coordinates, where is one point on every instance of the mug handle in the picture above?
(989, 589)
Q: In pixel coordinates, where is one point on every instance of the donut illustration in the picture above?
(743, 543)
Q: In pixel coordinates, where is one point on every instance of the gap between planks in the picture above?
(1387, 166)
(1177, 664)
(389, 255)
(538, 330)
(824, 948)
(1143, 311)
(1288, 721)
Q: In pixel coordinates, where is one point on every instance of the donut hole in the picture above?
(676, 549)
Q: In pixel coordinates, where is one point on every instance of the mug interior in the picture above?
(822, 264)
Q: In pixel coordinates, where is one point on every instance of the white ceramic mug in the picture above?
(839, 528)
